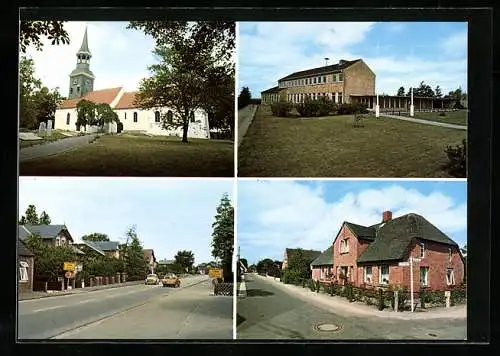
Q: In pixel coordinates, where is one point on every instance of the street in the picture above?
(139, 311)
(269, 312)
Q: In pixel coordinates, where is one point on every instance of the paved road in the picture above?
(52, 148)
(245, 118)
(138, 311)
(426, 122)
(269, 312)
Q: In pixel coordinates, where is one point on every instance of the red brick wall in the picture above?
(346, 259)
(316, 271)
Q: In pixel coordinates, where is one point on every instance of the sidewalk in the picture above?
(426, 122)
(342, 306)
(38, 295)
(245, 118)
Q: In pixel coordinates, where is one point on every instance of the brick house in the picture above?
(337, 82)
(322, 266)
(375, 256)
(289, 252)
(53, 235)
(26, 260)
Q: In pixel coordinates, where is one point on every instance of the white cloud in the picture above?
(279, 214)
(456, 44)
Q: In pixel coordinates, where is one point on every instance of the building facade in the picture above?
(378, 255)
(123, 103)
(322, 266)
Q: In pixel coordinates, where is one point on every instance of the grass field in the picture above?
(458, 117)
(56, 135)
(139, 155)
(332, 147)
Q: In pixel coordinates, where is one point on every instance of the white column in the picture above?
(377, 109)
(412, 108)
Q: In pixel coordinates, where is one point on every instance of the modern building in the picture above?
(123, 103)
(347, 82)
(378, 255)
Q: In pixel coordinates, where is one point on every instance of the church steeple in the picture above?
(82, 78)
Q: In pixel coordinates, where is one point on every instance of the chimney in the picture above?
(386, 216)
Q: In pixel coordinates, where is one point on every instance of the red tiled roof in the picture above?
(126, 101)
(104, 96)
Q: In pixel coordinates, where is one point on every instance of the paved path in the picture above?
(245, 118)
(49, 317)
(52, 148)
(427, 122)
(273, 312)
(185, 313)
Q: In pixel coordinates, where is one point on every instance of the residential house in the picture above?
(109, 248)
(347, 81)
(149, 256)
(322, 266)
(53, 235)
(289, 252)
(377, 255)
(26, 260)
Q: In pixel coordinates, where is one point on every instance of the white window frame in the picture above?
(450, 280)
(422, 250)
(381, 275)
(23, 271)
(424, 283)
(344, 245)
(368, 277)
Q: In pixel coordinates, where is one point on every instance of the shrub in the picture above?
(318, 285)
(350, 109)
(442, 113)
(281, 109)
(457, 160)
(458, 105)
(311, 285)
(381, 301)
(403, 296)
(458, 296)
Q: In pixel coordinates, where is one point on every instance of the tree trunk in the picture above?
(185, 127)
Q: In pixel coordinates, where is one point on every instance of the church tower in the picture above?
(81, 79)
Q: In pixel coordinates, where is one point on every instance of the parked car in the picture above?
(171, 280)
(152, 279)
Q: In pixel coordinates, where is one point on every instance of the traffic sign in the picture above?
(69, 266)
(404, 264)
(215, 272)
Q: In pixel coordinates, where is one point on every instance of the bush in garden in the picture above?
(403, 296)
(311, 285)
(381, 301)
(281, 109)
(308, 108)
(442, 113)
(350, 109)
(457, 160)
(317, 286)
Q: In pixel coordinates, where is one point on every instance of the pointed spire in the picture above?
(85, 46)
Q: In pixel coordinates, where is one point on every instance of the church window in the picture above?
(125, 116)
(135, 116)
(191, 116)
(71, 90)
(67, 119)
(157, 116)
(78, 89)
(170, 117)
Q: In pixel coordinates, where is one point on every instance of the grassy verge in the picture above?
(458, 117)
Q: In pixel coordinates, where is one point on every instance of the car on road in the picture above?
(171, 280)
(152, 279)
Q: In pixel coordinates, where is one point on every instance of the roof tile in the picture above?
(104, 96)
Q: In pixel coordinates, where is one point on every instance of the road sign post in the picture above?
(412, 259)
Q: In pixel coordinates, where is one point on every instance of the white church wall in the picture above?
(61, 122)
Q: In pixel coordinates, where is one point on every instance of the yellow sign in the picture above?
(215, 272)
(69, 266)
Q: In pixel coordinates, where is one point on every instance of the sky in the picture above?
(400, 53)
(120, 56)
(169, 214)
(276, 214)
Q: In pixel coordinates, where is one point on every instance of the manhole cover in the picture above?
(327, 327)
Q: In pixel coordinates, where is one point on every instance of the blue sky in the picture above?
(169, 214)
(400, 53)
(120, 56)
(276, 214)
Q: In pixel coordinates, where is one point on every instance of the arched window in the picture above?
(157, 116)
(67, 119)
(135, 116)
(170, 117)
(191, 116)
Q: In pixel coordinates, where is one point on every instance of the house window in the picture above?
(23, 271)
(341, 77)
(58, 241)
(344, 246)
(422, 250)
(424, 276)
(157, 116)
(340, 98)
(191, 116)
(67, 119)
(383, 277)
(449, 254)
(324, 79)
(170, 117)
(367, 274)
(314, 80)
(334, 77)
(135, 116)
(450, 277)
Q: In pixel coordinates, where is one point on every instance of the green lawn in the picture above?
(139, 155)
(332, 147)
(56, 135)
(458, 117)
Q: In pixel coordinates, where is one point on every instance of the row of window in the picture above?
(157, 117)
(300, 97)
(383, 277)
(338, 77)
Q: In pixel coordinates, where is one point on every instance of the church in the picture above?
(81, 86)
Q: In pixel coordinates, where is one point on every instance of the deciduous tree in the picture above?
(96, 236)
(185, 259)
(44, 219)
(135, 263)
(86, 113)
(401, 91)
(31, 33)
